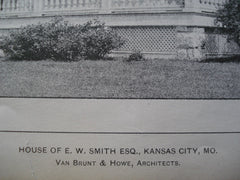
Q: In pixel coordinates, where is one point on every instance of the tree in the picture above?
(229, 18)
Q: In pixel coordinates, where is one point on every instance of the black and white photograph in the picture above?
(127, 49)
(119, 89)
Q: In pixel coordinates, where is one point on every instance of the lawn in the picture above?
(120, 79)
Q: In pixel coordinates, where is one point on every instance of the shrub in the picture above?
(100, 40)
(136, 56)
(60, 40)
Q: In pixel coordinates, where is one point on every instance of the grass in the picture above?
(119, 79)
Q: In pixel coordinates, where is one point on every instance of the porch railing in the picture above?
(71, 4)
(211, 5)
(146, 4)
(39, 7)
(9, 6)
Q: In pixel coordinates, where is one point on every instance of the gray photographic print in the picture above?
(140, 49)
(119, 89)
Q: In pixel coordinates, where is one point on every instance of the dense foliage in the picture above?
(60, 40)
(229, 18)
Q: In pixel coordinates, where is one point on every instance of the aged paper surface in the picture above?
(158, 107)
(120, 139)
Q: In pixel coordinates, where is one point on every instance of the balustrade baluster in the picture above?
(18, 6)
(54, 4)
(31, 5)
(57, 4)
(14, 5)
(87, 3)
(51, 4)
(28, 5)
(45, 4)
(81, 3)
(61, 4)
(162, 2)
(65, 2)
(24, 5)
(6, 8)
(70, 4)
(74, 3)
(37, 6)
(77, 3)
(11, 5)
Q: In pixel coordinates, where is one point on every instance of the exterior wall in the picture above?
(190, 43)
(159, 28)
(217, 44)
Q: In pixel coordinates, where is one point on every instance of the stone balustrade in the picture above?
(138, 4)
(39, 7)
(211, 5)
(214, 3)
(71, 4)
(9, 6)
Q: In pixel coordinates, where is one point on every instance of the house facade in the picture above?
(182, 29)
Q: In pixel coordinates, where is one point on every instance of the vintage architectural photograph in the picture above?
(130, 49)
